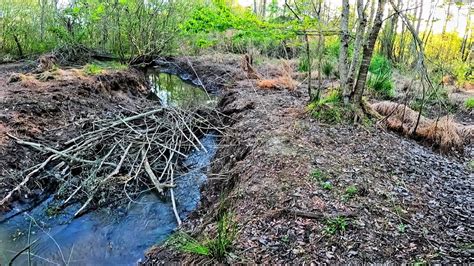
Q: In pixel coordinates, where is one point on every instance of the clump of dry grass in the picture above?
(443, 132)
(284, 81)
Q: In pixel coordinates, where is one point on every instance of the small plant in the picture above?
(226, 233)
(336, 225)
(351, 191)
(329, 108)
(319, 176)
(303, 64)
(216, 247)
(401, 228)
(185, 243)
(326, 185)
(382, 84)
(327, 69)
(469, 103)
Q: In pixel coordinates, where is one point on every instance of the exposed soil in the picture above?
(52, 111)
(412, 203)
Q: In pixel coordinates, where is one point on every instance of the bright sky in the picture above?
(457, 22)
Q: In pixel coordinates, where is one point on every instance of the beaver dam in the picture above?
(124, 183)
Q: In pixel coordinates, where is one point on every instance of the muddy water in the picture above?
(171, 90)
(110, 237)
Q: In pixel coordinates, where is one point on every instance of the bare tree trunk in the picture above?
(18, 45)
(264, 8)
(344, 50)
(255, 6)
(362, 21)
(466, 36)
(367, 53)
(420, 15)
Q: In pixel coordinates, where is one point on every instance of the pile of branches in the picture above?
(120, 158)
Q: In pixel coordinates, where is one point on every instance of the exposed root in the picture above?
(443, 132)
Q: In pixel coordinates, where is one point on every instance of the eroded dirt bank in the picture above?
(53, 111)
(412, 204)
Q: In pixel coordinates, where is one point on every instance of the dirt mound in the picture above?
(52, 110)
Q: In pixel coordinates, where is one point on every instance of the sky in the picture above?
(457, 23)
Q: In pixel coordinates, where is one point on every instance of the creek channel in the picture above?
(118, 236)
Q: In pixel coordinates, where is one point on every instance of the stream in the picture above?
(118, 236)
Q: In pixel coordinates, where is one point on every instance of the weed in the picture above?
(382, 84)
(351, 191)
(185, 243)
(319, 176)
(100, 67)
(401, 228)
(216, 247)
(469, 103)
(303, 64)
(327, 68)
(329, 108)
(336, 225)
(226, 233)
(380, 65)
(326, 185)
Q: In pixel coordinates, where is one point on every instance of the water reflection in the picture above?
(172, 91)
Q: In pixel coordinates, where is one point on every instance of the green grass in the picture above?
(97, 68)
(336, 225)
(327, 68)
(319, 177)
(329, 108)
(382, 84)
(216, 247)
(469, 103)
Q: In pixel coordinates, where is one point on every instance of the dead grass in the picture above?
(444, 132)
(284, 81)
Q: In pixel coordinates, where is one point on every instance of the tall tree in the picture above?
(367, 53)
(344, 49)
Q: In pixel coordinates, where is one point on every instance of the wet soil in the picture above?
(412, 203)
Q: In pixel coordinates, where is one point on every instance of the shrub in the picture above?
(469, 103)
(329, 108)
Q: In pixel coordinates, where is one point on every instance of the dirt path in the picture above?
(49, 112)
(411, 203)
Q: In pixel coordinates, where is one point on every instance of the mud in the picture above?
(412, 203)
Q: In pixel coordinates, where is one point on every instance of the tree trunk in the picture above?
(18, 45)
(367, 54)
(420, 15)
(447, 18)
(362, 21)
(344, 50)
(466, 37)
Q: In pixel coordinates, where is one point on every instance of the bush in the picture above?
(469, 103)
(329, 108)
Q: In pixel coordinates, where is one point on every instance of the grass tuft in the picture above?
(336, 225)
(469, 103)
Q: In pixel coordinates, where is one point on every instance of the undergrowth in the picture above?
(469, 103)
(216, 247)
(99, 67)
(336, 225)
(380, 77)
(330, 108)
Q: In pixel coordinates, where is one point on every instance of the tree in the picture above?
(343, 52)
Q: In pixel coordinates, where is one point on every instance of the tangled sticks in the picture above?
(126, 155)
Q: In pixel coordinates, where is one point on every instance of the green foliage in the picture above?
(329, 108)
(336, 225)
(382, 84)
(327, 68)
(401, 228)
(216, 247)
(226, 233)
(380, 65)
(185, 243)
(93, 69)
(469, 103)
(326, 185)
(99, 67)
(332, 47)
(321, 178)
(351, 191)
(303, 64)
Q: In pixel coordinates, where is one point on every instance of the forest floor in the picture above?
(272, 170)
(411, 203)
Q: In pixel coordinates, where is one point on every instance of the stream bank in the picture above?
(112, 232)
(286, 177)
